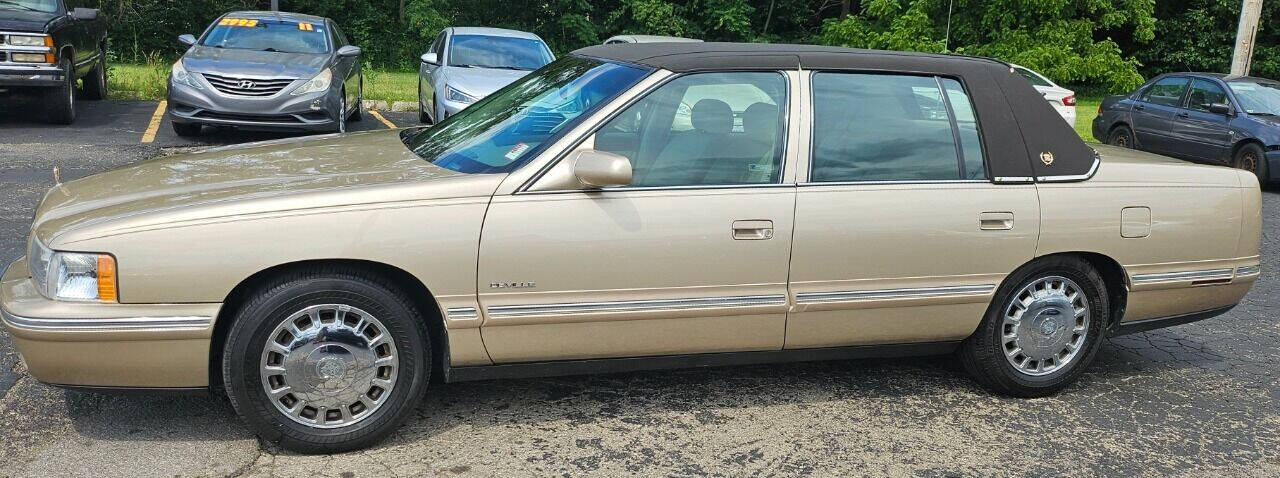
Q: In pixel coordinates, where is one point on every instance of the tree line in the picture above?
(1109, 45)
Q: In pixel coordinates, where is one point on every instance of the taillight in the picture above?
(1069, 100)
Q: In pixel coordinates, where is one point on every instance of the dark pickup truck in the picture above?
(45, 46)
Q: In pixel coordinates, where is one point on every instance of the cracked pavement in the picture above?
(1193, 400)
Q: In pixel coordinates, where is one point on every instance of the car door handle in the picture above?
(1139, 107)
(995, 221)
(752, 230)
(1183, 115)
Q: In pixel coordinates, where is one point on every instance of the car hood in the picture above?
(1131, 167)
(252, 63)
(480, 82)
(24, 21)
(277, 177)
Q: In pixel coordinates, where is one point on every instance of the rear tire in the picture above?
(353, 359)
(1121, 136)
(1252, 158)
(186, 130)
(1044, 345)
(61, 100)
(95, 84)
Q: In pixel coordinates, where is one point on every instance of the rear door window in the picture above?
(875, 127)
(1167, 91)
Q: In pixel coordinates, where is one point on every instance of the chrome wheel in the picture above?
(1045, 326)
(329, 366)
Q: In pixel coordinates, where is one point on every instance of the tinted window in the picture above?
(506, 129)
(1205, 93)
(1032, 77)
(342, 39)
(48, 6)
(497, 52)
(437, 44)
(1167, 91)
(870, 127)
(268, 35)
(703, 129)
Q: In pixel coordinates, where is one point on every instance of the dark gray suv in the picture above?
(267, 71)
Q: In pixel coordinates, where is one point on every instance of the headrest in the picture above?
(760, 119)
(712, 116)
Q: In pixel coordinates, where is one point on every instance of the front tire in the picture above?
(340, 125)
(326, 360)
(1042, 329)
(423, 116)
(1251, 157)
(1121, 136)
(358, 113)
(61, 100)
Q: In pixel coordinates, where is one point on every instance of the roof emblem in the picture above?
(1046, 158)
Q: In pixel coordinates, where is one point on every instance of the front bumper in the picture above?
(39, 76)
(453, 107)
(282, 112)
(106, 345)
(1273, 165)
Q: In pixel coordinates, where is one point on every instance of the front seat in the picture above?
(684, 160)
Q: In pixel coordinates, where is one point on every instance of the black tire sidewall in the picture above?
(61, 99)
(1121, 131)
(259, 318)
(1261, 169)
(983, 352)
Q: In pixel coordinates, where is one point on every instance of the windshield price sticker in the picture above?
(518, 150)
(238, 22)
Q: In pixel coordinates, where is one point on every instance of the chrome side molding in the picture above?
(882, 294)
(103, 325)
(1183, 276)
(501, 311)
(462, 313)
(1249, 270)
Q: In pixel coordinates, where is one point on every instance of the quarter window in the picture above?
(1166, 92)
(873, 127)
(1205, 93)
(703, 129)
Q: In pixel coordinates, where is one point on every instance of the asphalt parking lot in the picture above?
(1194, 400)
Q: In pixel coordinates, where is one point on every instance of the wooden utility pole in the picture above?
(1250, 12)
(275, 5)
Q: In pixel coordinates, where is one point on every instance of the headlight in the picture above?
(30, 40)
(455, 95)
(181, 77)
(316, 84)
(73, 275)
(32, 57)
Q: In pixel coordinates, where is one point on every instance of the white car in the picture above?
(1062, 99)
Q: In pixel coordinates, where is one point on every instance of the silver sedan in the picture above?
(465, 64)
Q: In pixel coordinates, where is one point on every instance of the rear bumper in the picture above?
(282, 112)
(106, 345)
(39, 76)
(1100, 129)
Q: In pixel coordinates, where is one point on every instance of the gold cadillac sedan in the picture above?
(630, 207)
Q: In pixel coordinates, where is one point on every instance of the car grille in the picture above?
(248, 117)
(246, 86)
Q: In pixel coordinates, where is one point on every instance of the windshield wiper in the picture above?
(19, 5)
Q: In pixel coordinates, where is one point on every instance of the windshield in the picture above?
(482, 51)
(1031, 76)
(506, 129)
(268, 35)
(47, 6)
(1257, 97)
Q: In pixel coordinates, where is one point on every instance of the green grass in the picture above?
(147, 82)
(391, 86)
(1086, 110)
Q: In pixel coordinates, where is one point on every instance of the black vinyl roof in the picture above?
(684, 57)
(1024, 139)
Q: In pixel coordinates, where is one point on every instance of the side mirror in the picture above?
(430, 58)
(1220, 108)
(600, 169)
(187, 39)
(349, 51)
(84, 13)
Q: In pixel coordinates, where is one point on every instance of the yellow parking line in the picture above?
(389, 124)
(150, 134)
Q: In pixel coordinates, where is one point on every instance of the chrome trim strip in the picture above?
(1184, 276)
(462, 313)
(1249, 270)
(1078, 177)
(892, 182)
(1014, 179)
(636, 305)
(657, 188)
(103, 325)
(882, 294)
